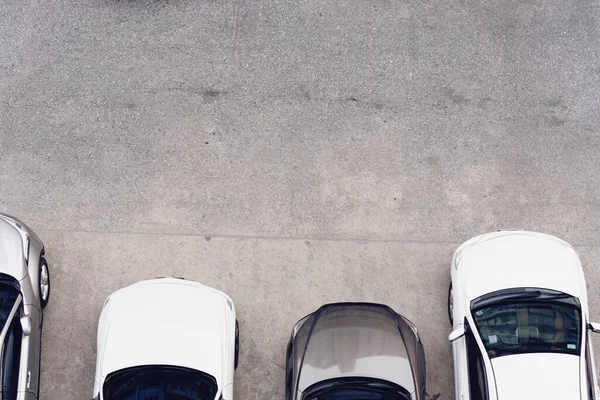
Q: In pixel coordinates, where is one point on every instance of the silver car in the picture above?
(24, 292)
(355, 351)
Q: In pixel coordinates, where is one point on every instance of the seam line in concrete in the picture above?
(249, 237)
(264, 237)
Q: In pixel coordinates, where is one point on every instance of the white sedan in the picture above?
(166, 338)
(519, 309)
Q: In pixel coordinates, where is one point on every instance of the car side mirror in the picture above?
(26, 325)
(594, 327)
(457, 333)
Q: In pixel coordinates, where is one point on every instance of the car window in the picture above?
(356, 389)
(476, 369)
(11, 355)
(159, 382)
(357, 394)
(8, 296)
(510, 327)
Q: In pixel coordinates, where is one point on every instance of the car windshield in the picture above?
(342, 393)
(356, 389)
(159, 382)
(529, 326)
(8, 296)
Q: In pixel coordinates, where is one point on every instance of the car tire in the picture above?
(450, 304)
(237, 345)
(44, 282)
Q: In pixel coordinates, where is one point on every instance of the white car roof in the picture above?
(537, 376)
(514, 259)
(167, 322)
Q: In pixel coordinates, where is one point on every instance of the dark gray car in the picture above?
(355, 351)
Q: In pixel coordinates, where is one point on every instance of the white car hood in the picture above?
(537, 376)
(520, 259)
(167, 322)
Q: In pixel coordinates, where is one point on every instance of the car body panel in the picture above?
(537, 376)
(20, 255)
(520, 260)
(354, 340)
(461, 380)
(30, 353)
(20, 248)
(514, 260)
(12, 261)
(167, 321)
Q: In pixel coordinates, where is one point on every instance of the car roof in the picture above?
(537, 376)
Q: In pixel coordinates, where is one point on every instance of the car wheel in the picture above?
(237, 344)
(44, 282)
(450, 304)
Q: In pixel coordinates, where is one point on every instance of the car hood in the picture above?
(506, 260)
(12, 259)
(537, 376)
(166, 322)
(357, 341)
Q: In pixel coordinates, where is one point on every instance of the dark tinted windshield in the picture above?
(356, 389)
(8, 296)
(357, 394)
(529, 326)
(159, 382)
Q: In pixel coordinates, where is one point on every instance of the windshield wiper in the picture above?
(524, 295)
(516, 295)
(557, 295)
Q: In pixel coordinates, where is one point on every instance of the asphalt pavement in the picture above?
(291, 153)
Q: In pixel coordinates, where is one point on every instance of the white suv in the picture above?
(518, 306)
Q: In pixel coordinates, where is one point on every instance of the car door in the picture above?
(227, 393)
(461, 373)
(32, 342)
(469, 377)
(478, 385)
(592, 385)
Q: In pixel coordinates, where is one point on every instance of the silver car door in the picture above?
(32, 342)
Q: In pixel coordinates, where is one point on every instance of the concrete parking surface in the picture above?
(291, 153)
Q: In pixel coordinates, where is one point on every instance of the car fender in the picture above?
(33, 249)
(36, 250)
(460, 301)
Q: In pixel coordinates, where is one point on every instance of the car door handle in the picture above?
(28, 379)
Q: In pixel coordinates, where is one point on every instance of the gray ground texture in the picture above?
(291, 153)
